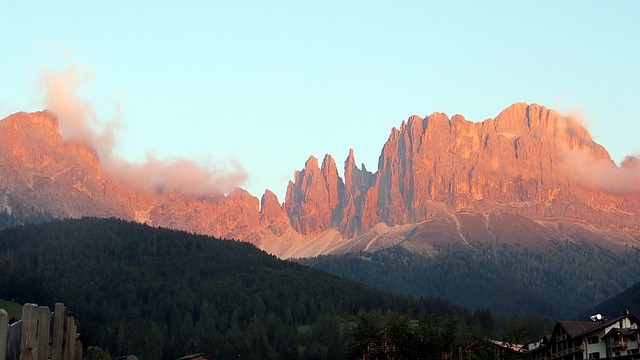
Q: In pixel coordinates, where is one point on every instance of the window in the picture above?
(593, 340)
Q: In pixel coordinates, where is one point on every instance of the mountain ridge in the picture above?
(439, 180)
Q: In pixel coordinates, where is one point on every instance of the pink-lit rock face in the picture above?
(521, 161)
(43, 177)
(313, 197)
(272, 214)
(529, 174)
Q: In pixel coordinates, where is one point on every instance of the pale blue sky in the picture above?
(271, 83)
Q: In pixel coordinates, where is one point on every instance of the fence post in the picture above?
(4, 333)
(58, 332)
(13, 341)
(44, 326)
(70, 336)
(29, 334)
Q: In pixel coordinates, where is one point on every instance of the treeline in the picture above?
(629, 299)
(559, 280)
(162, 294)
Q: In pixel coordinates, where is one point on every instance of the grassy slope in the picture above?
(13, 308)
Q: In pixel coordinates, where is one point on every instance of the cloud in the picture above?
(589, 165)
(78, 121)
(600, 174)
(176, 175)
(77, 118)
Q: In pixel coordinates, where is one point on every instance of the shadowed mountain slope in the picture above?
(561, 280)
(160, 293)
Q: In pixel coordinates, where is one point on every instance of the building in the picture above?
(537, 350)
(596, 339)
(600, 338)
(381, 348)
(494, 349)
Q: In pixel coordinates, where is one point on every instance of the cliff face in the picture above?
(41, 178)
(528, 173)
(313, 199)
(514, 160)
(522, 162)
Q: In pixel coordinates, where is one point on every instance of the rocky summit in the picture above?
(527, 176)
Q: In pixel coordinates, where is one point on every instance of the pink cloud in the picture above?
(603, 175)
(176, 175)
(78, 121)
(589, 165)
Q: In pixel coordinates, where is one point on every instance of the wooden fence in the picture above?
(40, 335)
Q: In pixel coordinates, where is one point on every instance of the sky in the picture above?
(246, 91)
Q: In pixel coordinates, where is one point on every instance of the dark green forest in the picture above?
(629, 299)
(561, 280)
(162, 294)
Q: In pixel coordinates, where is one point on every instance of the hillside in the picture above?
(159, 293)
(560, 281)
(629, 299)
(13, 309)
(529, 176)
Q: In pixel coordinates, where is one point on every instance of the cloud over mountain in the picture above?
(605, 175)
(78, 121)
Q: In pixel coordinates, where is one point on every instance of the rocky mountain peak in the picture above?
(350, 161)
(312, 197)
(335, 186)
(437, 178)
(273, 215)
(630, 162)
(312, 163)
(515, 119)
(40, 122)
(438, 164)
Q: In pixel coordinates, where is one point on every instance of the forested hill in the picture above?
(559, 280)
(159, 293)
(615, 306)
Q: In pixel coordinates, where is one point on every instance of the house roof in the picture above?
(501, 344)
(508, 345)
(621, 332)
(538, 345)
(577, 328)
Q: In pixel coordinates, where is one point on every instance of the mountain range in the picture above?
(528, 176)
(521, 214)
